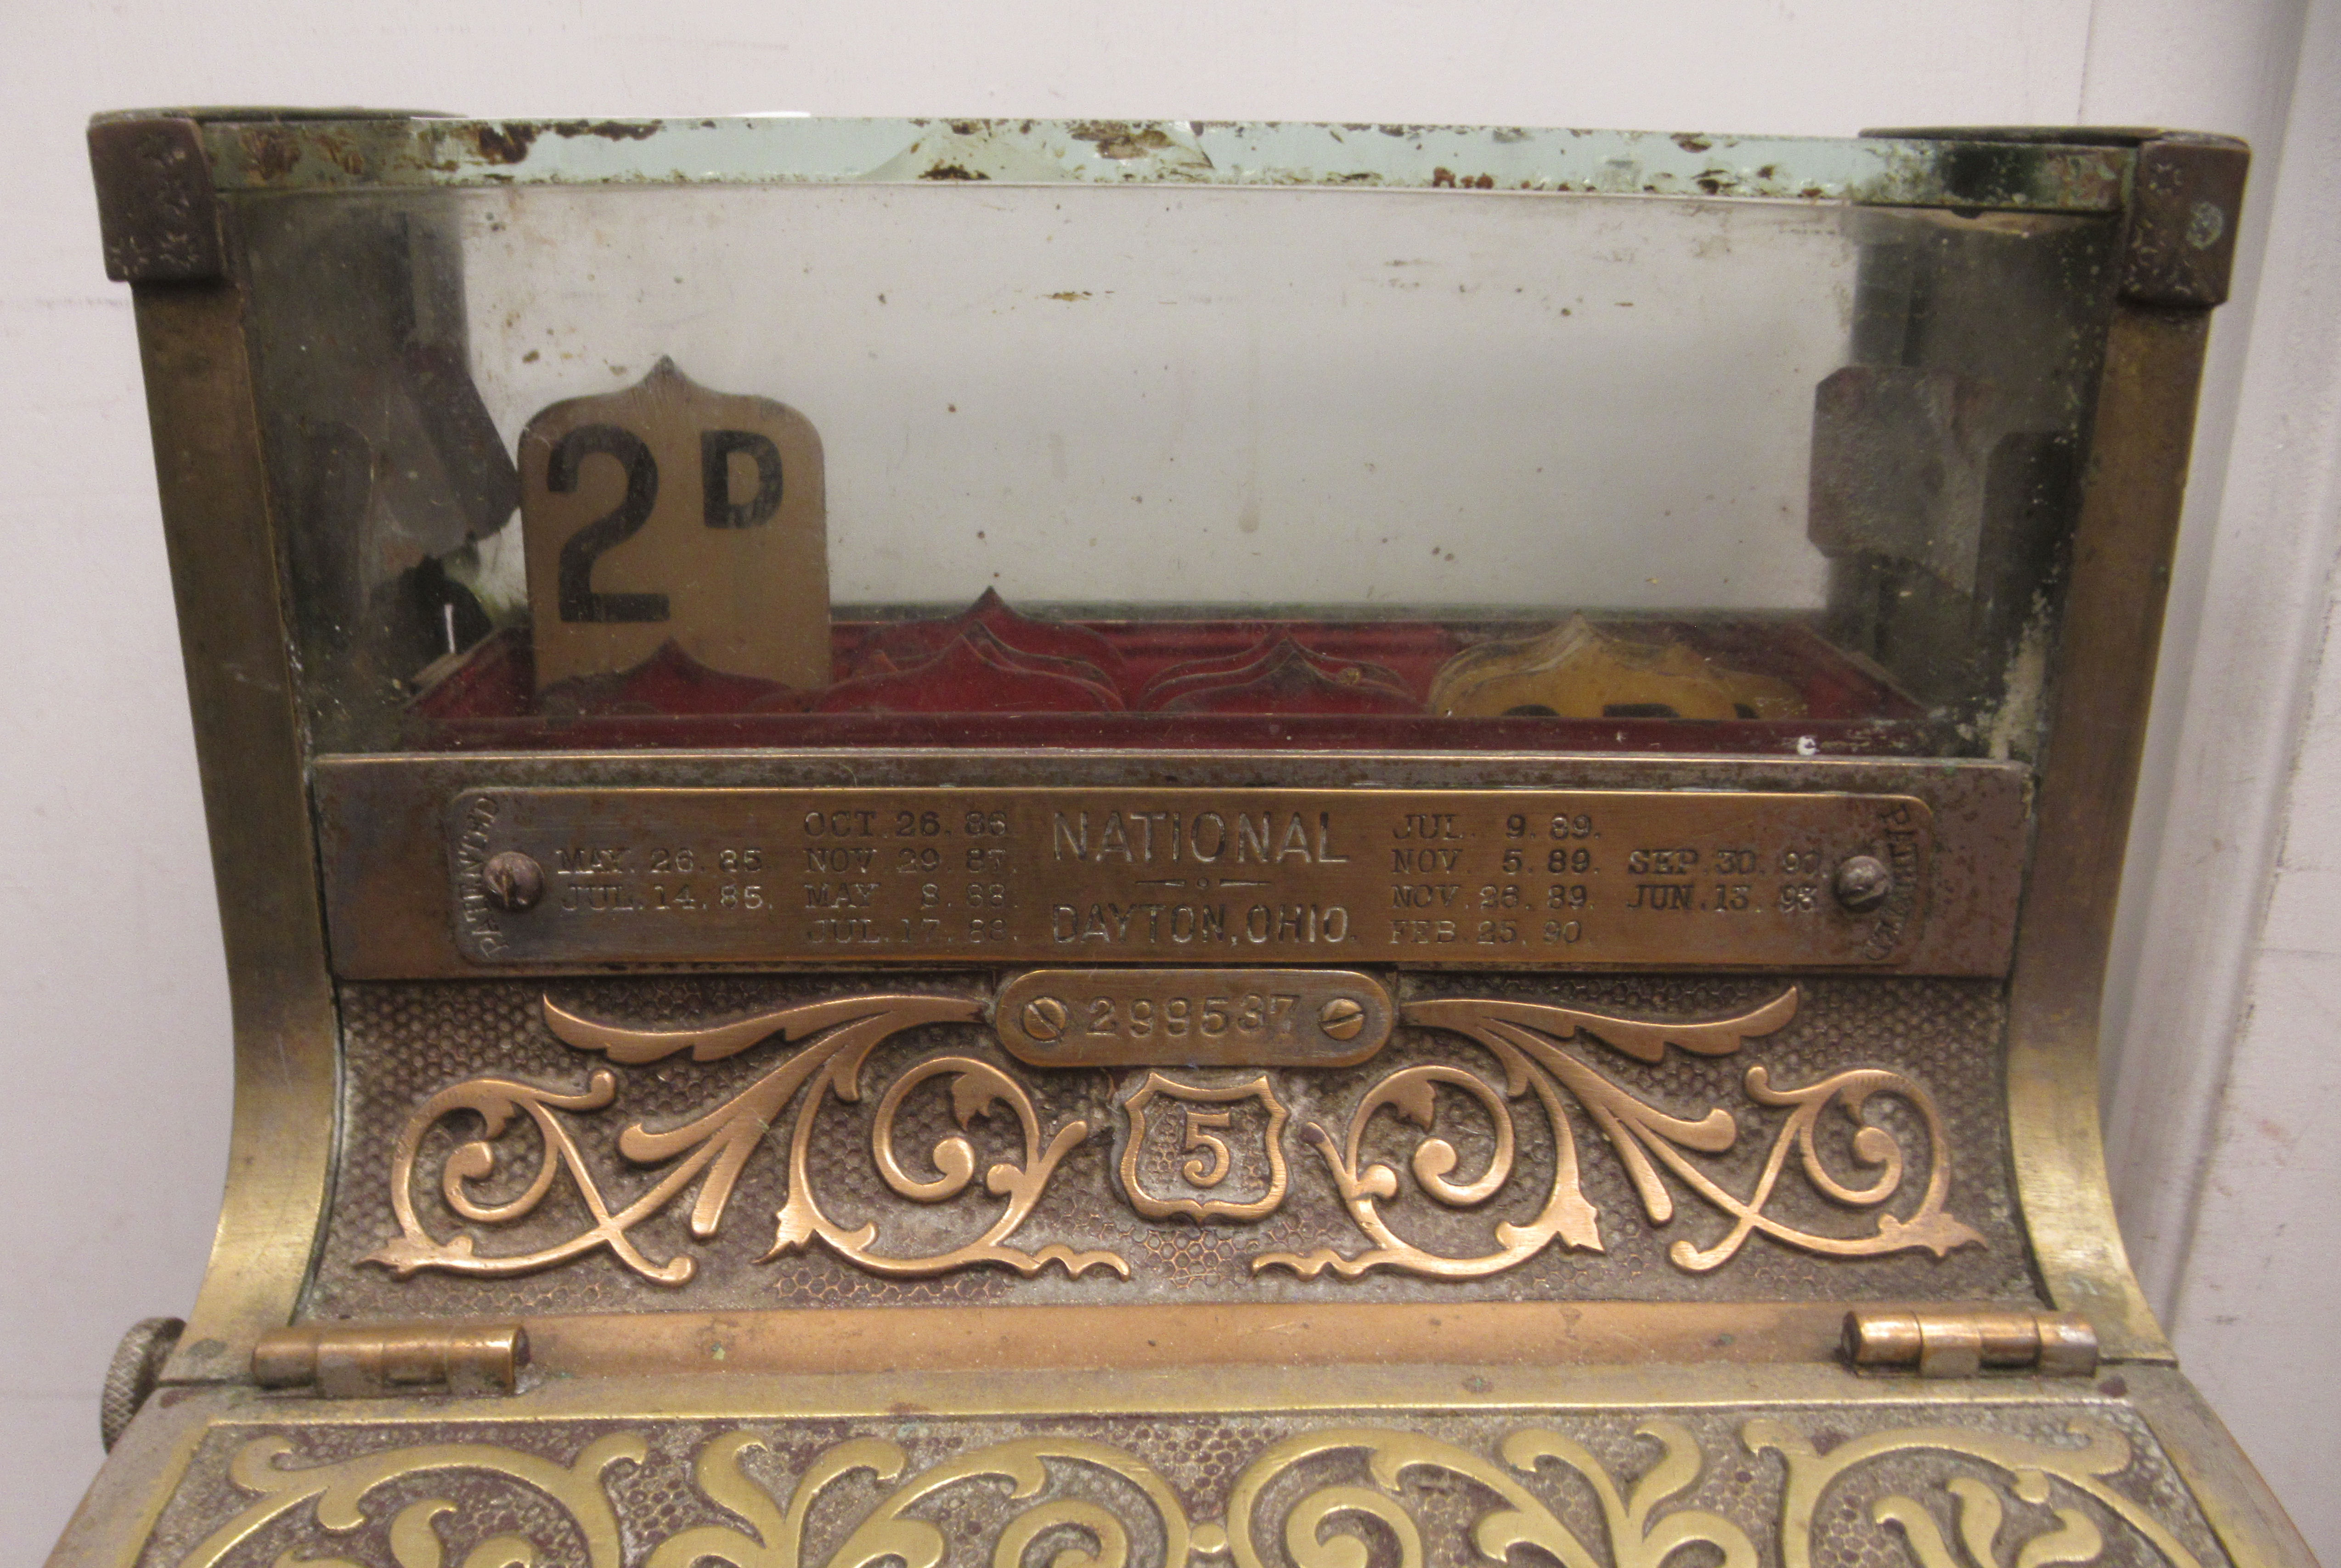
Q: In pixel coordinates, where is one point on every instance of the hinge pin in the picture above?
(372, 1361)
(1961, 1344)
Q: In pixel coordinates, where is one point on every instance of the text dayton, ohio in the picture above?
(1192, 841)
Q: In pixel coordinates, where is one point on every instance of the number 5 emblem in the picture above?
(669, 512)
(1226, 1162)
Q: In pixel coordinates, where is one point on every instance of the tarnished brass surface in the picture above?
(1102, 876)
(2187, 193)
(1192, 1017)
(1180, 1332)
(224, 556)
(1424, 1469)
(2251, 1524)
(722, 1143)
(1945, 1342)
(2120, 572)
(383, 830)
(1199, 1189)
(354, 1361)
(1738, 1462)
(157, 211)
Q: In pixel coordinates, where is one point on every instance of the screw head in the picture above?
(1341, 1018)
(512, 881)
(1044, 1018)
(1863, 881)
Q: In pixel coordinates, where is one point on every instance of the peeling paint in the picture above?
(329, 154)
(612, 130)
(1120, 138)
(504, 144)
(274, 152)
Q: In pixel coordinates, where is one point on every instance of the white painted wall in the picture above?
(115, 1014)
(2224, 1110)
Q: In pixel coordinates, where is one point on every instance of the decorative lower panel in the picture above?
(709, 1143)
(1934, 1484)
(724, 1141)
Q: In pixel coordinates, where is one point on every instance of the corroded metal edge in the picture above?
(267, 151)
(2122, 547)
(157, 214)
(2185, 190)
(2184, 208)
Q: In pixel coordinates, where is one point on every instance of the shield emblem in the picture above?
(1207, 1152)
(671, 513)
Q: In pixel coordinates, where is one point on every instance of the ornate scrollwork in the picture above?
(890, 1532)
(1524, 1037)
(2077, 1537)
(1078, 1503)
(774, 1532)
(339, 1490)
(1656, 1149)
(1636, 1538)
(713, 1149)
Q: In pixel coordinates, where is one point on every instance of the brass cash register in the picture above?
(1114, 844)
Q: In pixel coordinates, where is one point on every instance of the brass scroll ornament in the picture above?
(1524, 1037)
(718, 1144)
(1654, 1147)
(1316, 1498)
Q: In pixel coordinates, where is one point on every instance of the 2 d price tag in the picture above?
(670, 513)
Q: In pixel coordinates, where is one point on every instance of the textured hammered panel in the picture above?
(1700, 1175)
(1944, 1485)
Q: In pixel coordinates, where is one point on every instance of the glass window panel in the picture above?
(973, 462)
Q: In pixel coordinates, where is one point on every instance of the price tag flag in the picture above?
(671, 513)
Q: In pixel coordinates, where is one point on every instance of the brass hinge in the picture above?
(1960, 1342)
(370, 1361)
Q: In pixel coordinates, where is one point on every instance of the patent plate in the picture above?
(1219, 876)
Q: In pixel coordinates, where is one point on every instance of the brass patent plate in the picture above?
(1194, 1017)
(1118, 874)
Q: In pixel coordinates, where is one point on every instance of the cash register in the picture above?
(1119, 844)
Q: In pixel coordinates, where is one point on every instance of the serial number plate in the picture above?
(1194, 1017)
(1475, 877)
